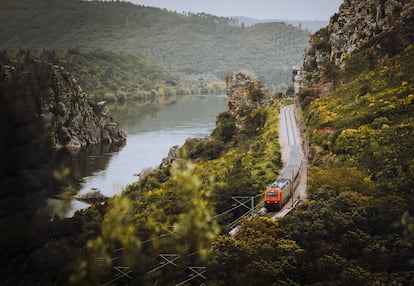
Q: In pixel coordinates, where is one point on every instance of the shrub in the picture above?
(365, 89)
(321, 41)
(206, 148)
(306, 96)
(359, 62)
(225, 127)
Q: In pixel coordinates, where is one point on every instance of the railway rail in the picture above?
(291, 144)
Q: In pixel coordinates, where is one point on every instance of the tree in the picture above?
(117, 245)
(225, 127)
(260, 254)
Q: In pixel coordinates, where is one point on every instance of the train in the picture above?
(281, 190)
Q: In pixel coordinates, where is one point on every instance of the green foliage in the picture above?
(256, 92)
(203, 148)
(195, 227)
(253, 123)
(305, 97)
(355, 228)
(262, 254)
(118, 77)
(321, 40)
(359, 62)
(225, 127)
(331, 71)
(117, 233)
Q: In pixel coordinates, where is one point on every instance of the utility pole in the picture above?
(243, 201)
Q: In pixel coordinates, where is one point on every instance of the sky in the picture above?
(257, 9)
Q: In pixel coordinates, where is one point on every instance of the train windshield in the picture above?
(272, 195)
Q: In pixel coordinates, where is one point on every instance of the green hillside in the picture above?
(356, 227)
(358, 222)
(193, 44)
(368, 123)
(117, 76)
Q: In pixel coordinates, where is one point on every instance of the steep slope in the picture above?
(198, 44)
(45, 118)
(358, 37)
(45, 101)
(370, 82)
(357, 97)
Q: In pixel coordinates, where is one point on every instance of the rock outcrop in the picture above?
(358, 23)
(46, 97)
(245, 94)
(93, 196)
(173, 155)
(382, 27)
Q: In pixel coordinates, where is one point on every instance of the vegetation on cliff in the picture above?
(357, 226)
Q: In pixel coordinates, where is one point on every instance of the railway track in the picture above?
(290, 136)
(290, 124)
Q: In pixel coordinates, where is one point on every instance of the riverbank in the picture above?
(152, 130)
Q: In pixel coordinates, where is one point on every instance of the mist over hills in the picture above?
(194, 44)
(307, 25)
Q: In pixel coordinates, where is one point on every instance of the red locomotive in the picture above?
(279, 192)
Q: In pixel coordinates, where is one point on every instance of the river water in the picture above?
(152, 130)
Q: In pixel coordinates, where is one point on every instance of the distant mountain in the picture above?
(195, 44)
(307, 25)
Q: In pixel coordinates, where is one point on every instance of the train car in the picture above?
(276, 194)
(279, 192)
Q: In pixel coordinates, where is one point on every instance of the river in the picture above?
(152, 130)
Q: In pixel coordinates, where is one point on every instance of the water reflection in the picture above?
(69, 170)
(152, 129)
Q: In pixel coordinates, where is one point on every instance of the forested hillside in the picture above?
(117, 77)
(357, 225)
(195, 44)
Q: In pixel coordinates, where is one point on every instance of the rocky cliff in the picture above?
(244, 94)
(44, 101)
(379, 28)
(362, 23)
